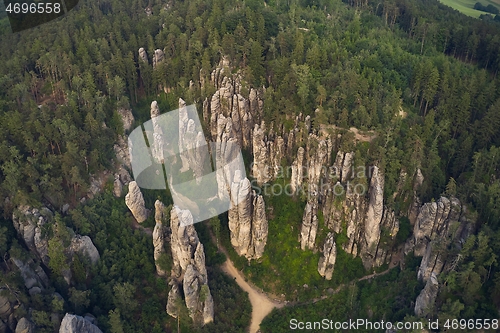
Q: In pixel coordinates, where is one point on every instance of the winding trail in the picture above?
(261, 304)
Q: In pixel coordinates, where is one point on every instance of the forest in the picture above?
(359, 62)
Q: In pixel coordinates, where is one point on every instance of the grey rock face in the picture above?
(135, 202)
(261, 169)
(85, 246)
(117, 186)
(122, 152)
(143, 55)
(343, 165)
(247, 220)
(260, 226)
(77, 324)
(159, 236)
(228, 103)
(32, 274)
(298, 170)
(25, 326)
(327, 261)
(28, 222)
(189, 263)
(375, 212)
(127, 118)
(427, 296)
(5, 307)
(158, 57)
(309, 225)
(173, 295)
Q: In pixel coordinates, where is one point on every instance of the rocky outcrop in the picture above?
(189, 269)
(84, 246)
(7, 318)
(228, 105)
(122, 178)
(192, 145)
(33, 275)
(326, 263)
(158, 57)
(309, 227)
(122, 151)
(427, 296)
(29, 222)
(127, 118)
(143, 55)
(159, 234)
(438, 225)
(25, 326)
(157, 147)
(342, 165)
(247, 220)
(173, 298)
(135, 202)
(374, 213)
(297, 171)
(77, 324)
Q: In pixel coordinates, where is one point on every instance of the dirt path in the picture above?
(261, 304)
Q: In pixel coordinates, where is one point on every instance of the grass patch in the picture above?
(285, 268)
(467, 6)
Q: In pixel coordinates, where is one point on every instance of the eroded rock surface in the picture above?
(247, 220)
(135, 202)
(326, 263)
(189, 269)
(159, 234)
(76, 324)
(427, 296)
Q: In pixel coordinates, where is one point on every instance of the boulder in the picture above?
(25, 326)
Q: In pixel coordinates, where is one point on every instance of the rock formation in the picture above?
(309, 227)
(158, 57)
(157, 147)
(297, 171)
(173, 296)
(29, 222)
(374, 213)
(326, 263)
(159, 234)
(35, 279)
(77, 324)
(228, 104)
(189, 269)
(84, 246)
(247, 219)
(127, 118)
(135, 202)
(143, 55)
(25, 326)
(427, 296)
(437, 225)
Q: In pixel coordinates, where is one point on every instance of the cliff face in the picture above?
(189, 269)
(247, 220)
(438, 225)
